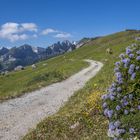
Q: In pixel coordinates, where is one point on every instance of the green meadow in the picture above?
(84, 108)
(50, 71)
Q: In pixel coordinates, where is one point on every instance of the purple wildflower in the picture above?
(138, 52)
(131, 55)
(104, 105)
(126, 112)
(122, 56)
(130, 96)
(118, 107)
(120, 81)
(137, 67)
(125, 103)
(114, 94)
(117, 64)
(118, 74)
(127, 69)
(130, 71)
(119, 89)
(118, 132)
(133, 76)
(111, 97)
(116, 69)
(109, 113)
(138, 58)
(114, 85)
(112, 89)
(131, 130)
(132, 66)
(128, 51)
(111, 126)
(125, 97)
(126, 61)
(105, 112)
(117, 123)
(104, 97)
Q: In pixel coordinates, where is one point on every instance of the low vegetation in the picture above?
(82, 117)
(121, 103)
(16, 83)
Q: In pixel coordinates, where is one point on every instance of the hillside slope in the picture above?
(81, 117)
(50, 71)
(16, 121)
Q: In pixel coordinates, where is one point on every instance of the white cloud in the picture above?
(29, 26)
(16, 37)
(9, 28)
(48, 31)
(63, 35)
(58, 34)
(23, 36)
(15, 31)
(21, 31)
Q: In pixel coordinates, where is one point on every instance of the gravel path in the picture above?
(18, 116)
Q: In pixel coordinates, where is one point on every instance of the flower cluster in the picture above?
(92, 105)
(123, 96)
(92, 102)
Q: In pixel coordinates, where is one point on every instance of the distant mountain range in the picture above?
(27, 55)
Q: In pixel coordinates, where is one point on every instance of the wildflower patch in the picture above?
(93, 101)
(121, 104)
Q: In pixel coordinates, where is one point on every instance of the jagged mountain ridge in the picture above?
(27, 54)
(60, 48)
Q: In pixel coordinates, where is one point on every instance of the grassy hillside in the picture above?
(56, 69)
(81, 117)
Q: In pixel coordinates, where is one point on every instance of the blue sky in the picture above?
(43, 22)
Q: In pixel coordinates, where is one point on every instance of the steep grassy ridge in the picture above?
(81, 117)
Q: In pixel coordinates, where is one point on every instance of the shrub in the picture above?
(53, 75)
(121, 104)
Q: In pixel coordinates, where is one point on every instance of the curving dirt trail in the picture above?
(18, 116)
